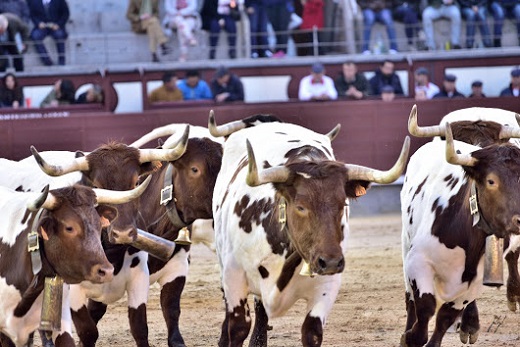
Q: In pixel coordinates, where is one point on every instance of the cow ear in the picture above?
(355, 189)
(150, 167)
(107, 213)
(44, 234)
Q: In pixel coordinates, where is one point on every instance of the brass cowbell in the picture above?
(306, 270)
(50, 319)
(184, 237)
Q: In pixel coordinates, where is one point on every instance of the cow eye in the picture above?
(69, 229)
(490, 182)
(300, 208)
(194, 169)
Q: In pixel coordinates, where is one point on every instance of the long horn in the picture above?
(508, 132)
(254, 178)
(36, 204)
(105, 196)
(417, 131)
(334, 132)
(152, 154)
(356, 172)
(166, 130)
(225, 129)
(77, 164)
(452, 156)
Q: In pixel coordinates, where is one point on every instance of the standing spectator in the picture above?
(62, 93)
(193, 88)
(93, 95)
(350, 82)
(280, 16)
(377, 11)
(514, 87)
(387, 93)
(168, 91)
(438, 9)
(183, 16)
(17, 7)
(312, 17)
(144, 17)
(476, 90)
(422, 82)
(385, 75)
(449, 89)
(475, 12)
(408, 13)
(216, 15)
(49, 18)
(502, 9)
(11, 94)
(226, 86)
(317, 86)
(13, 33)
(257, 13)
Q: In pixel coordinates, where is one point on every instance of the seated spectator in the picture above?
(449, 89)
(17, 7)
(422, 82)
(13, 33)
(502, 9)
(436, 10)
(475, 12)
(226, 86)
(49, 18)
(168, 91)
(62, 93)
(514, 87)
(317, 86)
(11, 94)
(384, 76)
(93, 95)
(193, 88)
(476, 90)
(387, 93)
(421, 95)
(144, 17)
(377, 11)
(351, 83)
(182, 16)
(408, 13)
(257, 12)
(216, 15)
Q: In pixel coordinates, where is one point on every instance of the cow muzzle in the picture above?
(126, 236)
(328, 265)
(101, 273)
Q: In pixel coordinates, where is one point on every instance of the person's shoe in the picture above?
(47, 62)
(267, 54)
(255, 55)
(279, 54)
(366, 52)
(497, 42)
(183, 58)
(165, 49)
(392, 51)
(232, 54)
(193, 42)
(155, 58)
(456, 47)
(212, 54)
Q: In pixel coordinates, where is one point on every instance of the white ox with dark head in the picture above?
(278, 200)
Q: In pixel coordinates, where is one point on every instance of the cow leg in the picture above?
(312, 331)
(470, 325)
(96, 310)
(6, 341)
(86, 328)
(425, 305)
(138, 325)
(171, 308)
(259, 335)
(410, 311)
(513, 281)
(446, 316)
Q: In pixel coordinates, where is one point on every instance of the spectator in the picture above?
(49, 18)
(62, 93)
(502, 9)
(279, 16)
(514, 87)
(438, 9)
(17, 7)
(216, 15)
(476, 90)
(317, 86)
(387, 93)
(11, 94)
(226, 86)
(421, 95)
(449, 90)
(144, 17)
(312, 17)
(13, 33)
(168, 91)
(377, 11)
(182, 15)
(408, 13)
(193, 88)
(94, 94)
(385, 75)
(257, 13)
(475, 12)
(422, 82)
(351, 83)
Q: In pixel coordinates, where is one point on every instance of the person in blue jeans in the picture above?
(475, 12)
(257, 13)
(380, 11)
(408, 13)
(279, 16)
(215, 16)
(438, 9)
(502, 9)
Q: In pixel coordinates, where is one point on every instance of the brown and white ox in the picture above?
(451, 201)
(269, 223)
(68, 230)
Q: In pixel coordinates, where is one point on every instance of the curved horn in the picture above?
(105, 196)
(334, 132)
(417, 131)
(517, 117)
(356, 172)
(254, 178)
(508, 132)
(40, 201)
(166, 130)
(77, 164)
(452, 156)
(170, 154)
(225, 129)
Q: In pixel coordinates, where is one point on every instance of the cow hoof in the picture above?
(511, 305)
(473, 338)
(467, 337)
(403, 341)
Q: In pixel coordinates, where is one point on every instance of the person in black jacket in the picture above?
(13, 33)
(350, 83)
(11, 94)
(226, 86)
(385, 76)
(449, 90)
(216, 15)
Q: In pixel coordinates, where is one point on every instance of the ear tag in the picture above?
(360, 191)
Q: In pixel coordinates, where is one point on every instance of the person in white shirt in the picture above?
(422, 83)
(317, 86)
(183, 16)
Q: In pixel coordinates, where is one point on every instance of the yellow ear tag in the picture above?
(360, 191)
(105, 223)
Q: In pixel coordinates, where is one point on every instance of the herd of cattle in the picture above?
(271, 199)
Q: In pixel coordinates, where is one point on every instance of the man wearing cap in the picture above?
(226, 86)
(514, 87)
(387, 93)
(476, 90)
(422, 82)
(13, 33)
(449, 90)
(317, 86)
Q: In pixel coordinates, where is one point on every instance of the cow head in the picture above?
(315, 203)
(116, 166)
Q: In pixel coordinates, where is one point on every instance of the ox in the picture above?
(450, 203)
(67, 227)
(292, 212)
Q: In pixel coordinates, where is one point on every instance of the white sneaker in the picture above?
(392, 51)
(367, 52)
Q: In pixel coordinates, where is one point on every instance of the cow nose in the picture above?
(125, 236)
(103, 273)
(516, 220)
(330, 266)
